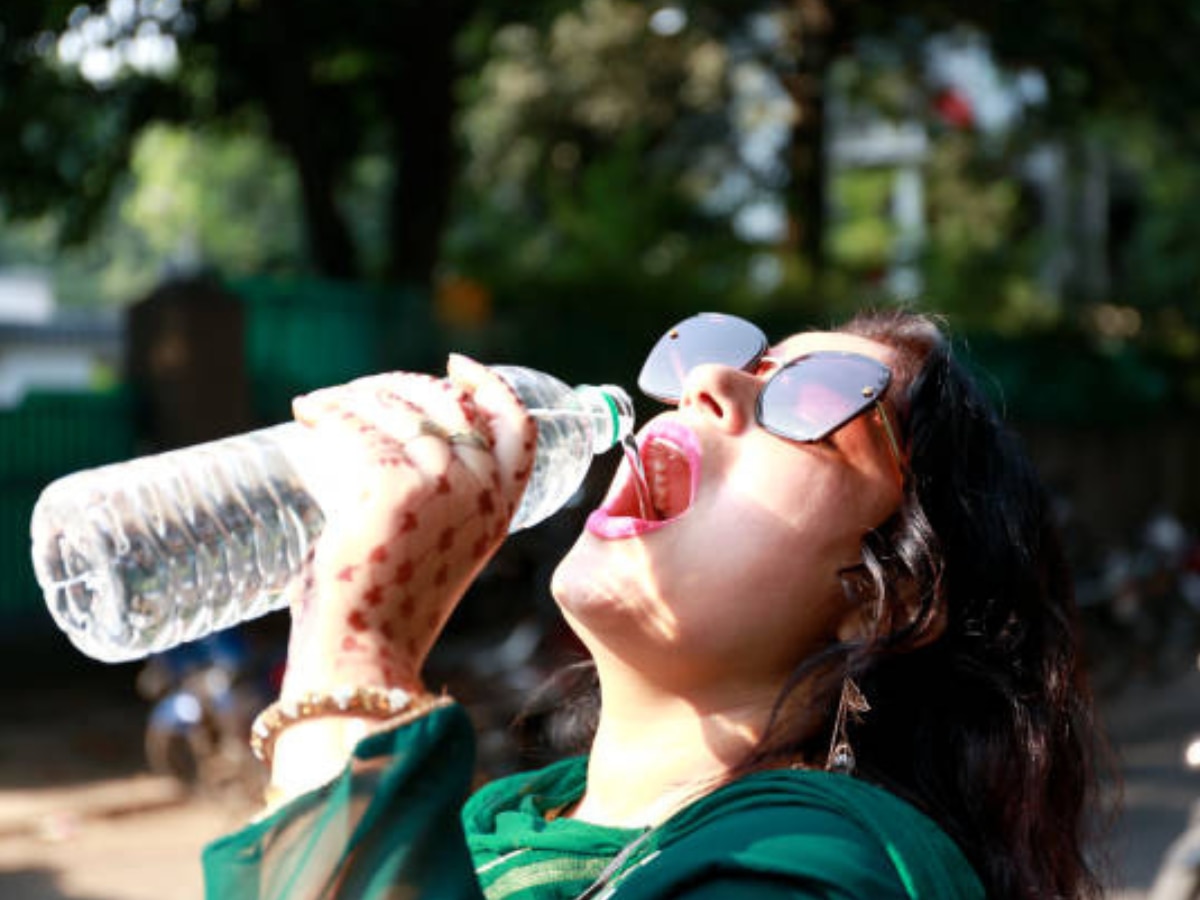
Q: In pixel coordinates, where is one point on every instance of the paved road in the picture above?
(79, 816)
(80, 819)
(1150, 726)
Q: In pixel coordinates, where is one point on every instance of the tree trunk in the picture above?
(332, 249)
(273, 54)
(818, 29)
(423, 106)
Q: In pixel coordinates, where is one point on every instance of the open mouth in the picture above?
(670, 456)
(668, 477)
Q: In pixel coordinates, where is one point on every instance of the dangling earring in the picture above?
(852, 703)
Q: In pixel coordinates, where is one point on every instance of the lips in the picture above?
(670, 455)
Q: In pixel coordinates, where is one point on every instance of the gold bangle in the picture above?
(358, 702)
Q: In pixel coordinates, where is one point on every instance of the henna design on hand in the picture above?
(441, 508)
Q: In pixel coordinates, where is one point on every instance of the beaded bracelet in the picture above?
(358, 702)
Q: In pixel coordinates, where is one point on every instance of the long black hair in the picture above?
(988, 725)
(980, 713)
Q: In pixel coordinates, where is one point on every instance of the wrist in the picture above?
(336, 659)
(308, 741)
(350, 707)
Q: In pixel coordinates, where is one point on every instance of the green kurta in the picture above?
(389, 827)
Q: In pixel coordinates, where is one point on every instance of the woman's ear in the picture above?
(901, 620)
(919, 620)
(858, 624)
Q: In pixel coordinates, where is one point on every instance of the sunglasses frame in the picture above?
(872, 393)
(872, 396)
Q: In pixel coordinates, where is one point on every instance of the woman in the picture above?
(837, 659)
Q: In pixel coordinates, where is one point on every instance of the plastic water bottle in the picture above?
(136, 557)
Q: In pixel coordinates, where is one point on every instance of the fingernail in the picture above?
(302, 408)
(463, 368)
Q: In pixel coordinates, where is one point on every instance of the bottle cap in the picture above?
(620, 410)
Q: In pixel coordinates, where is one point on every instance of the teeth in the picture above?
(663, 459)
(658, 486)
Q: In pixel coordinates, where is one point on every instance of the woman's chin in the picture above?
(588, 585)
(573, 573)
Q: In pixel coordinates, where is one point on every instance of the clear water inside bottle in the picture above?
(137, 557)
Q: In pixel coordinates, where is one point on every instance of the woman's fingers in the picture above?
(512, 430)
(408, 408)
(428, 473)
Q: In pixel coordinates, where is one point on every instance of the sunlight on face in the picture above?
(747, 581)
(610, 595)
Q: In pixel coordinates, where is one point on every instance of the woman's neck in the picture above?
(655, 752)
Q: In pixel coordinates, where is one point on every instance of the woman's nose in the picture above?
(724, 395)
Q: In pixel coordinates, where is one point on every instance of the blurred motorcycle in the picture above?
(204, 698)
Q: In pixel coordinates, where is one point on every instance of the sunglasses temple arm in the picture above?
(891, 437)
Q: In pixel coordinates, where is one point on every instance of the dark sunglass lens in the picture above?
(705, 338)
(808, 399)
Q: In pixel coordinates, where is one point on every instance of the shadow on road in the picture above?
(37, 884)
(68, 719)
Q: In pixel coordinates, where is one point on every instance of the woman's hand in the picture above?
(431, 471)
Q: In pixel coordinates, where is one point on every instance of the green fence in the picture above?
(48, 435)
(302, 335)
(1068, 381)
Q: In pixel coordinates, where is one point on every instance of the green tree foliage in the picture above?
(191, 199)
(67, 140)
(331, 83)
(593, 148)
(221, 197)
(580, 143)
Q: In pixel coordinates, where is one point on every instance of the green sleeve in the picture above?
(758, 887)
(388, 826)
(772, 853)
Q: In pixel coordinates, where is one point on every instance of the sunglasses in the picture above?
(806, 399)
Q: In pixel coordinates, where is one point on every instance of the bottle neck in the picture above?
(611, 411)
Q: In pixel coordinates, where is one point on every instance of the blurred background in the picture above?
(209, 206)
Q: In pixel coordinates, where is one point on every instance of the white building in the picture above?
(42, 348)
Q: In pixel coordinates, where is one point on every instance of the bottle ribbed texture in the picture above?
(136, 557)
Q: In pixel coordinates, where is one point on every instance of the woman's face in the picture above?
(740, 581)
